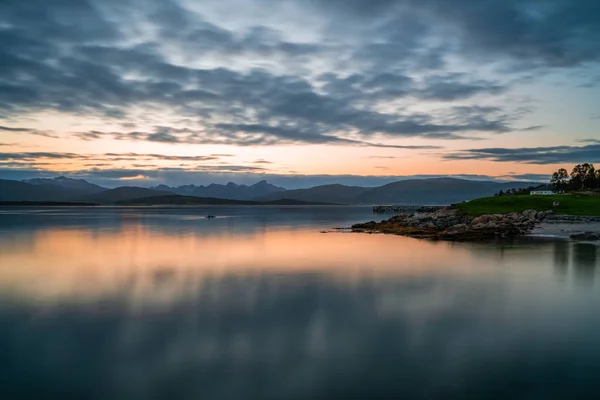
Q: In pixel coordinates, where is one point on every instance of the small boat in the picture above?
(210, 217)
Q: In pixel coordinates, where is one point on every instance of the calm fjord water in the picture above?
(161, 303)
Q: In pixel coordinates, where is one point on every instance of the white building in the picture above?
(542, 192)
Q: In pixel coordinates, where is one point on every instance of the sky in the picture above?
(300, 92)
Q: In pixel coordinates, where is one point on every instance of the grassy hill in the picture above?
(569, 204)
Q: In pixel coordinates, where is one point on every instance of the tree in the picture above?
(589, 181)
(560, 180)
(579, 175)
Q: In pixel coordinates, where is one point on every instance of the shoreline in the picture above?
(452, 225)
(566, 228)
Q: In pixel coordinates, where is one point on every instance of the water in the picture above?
(134, 303)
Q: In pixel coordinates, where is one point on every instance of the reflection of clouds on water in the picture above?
(580, 260)
(584, 262)
(263, 336)
(139, 304)
(561, 256)
(181, 220)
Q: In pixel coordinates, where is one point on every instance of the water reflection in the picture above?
(124, 309)
(561, 257)
(295, 336)
(79, 263)
(584, 262)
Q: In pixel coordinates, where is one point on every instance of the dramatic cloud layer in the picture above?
(366, 73)
(535, 155)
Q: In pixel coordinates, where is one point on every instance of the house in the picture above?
(542, 192)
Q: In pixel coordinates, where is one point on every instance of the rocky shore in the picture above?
(586, 228)
(449, 224)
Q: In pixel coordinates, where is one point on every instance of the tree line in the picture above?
(517, 192)
(582, 177)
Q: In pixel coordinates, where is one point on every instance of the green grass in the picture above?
(569, 204)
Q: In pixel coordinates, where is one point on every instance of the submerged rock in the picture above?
(586, 236)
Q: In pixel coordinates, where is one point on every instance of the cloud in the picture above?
(35, 156)
(257, 77)
(532, 128)
(241, 135)
(32, 156)
(528, 33)
(100, 167)
(591, 141)
(29, 131)
(381, 157)
(455, 87)
(257, 84)
(6, 128)
(532, 155)
(390, 86)
(528, 177)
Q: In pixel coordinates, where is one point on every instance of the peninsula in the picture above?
(568, 215)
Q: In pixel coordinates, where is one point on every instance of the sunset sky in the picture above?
(299, 92)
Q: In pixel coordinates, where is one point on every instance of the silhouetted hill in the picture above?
(413, 191)
(437, 191)
(21, 191)
(123, 193)
(185, 190)
(192, 200)
(230, 191)
(327, 193)
(44, 204)
(77, 185)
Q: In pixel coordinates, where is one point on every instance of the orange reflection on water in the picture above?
(59, 263)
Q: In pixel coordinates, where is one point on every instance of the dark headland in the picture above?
(574, 215)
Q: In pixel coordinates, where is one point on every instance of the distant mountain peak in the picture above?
(263, 184)
(230, 190)
(80, 185)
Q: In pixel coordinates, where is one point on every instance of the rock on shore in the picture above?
(586, 236)
(449, 224)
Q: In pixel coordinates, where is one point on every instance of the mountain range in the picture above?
(230, 191)
(197, 201)
(77, 185)
(436, 191)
